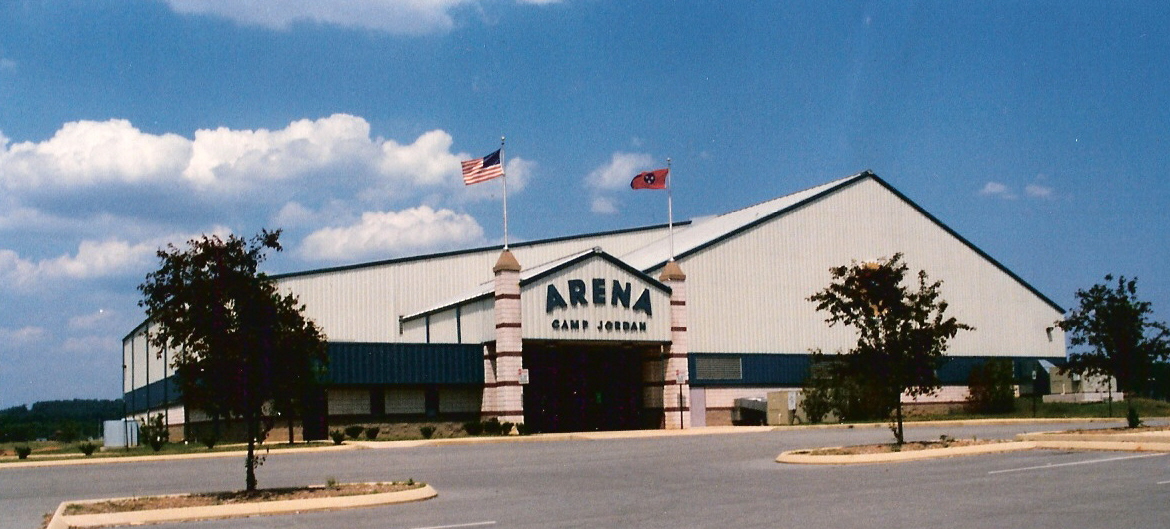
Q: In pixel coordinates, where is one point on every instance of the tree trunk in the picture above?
(899, 433)
(250, 462)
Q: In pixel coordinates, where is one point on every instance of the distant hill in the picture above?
(63, 420)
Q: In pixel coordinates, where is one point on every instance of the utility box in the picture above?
(749, 411)
(787, 407)
(784, 407)
(120, 434)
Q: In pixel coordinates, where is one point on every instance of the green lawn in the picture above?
(43, 450)
(1145, 407)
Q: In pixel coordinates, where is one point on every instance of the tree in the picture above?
(901, 333)
(238, 344)
(992, 387)
(1117, 337)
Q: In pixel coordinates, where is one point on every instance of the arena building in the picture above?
(603, 331)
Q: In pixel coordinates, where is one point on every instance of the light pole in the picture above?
(1034, 391)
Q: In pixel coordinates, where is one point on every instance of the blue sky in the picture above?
(1039, 132)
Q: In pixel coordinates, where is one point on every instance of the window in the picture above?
(718, 368)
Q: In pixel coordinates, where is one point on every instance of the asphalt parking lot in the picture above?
(726, 480)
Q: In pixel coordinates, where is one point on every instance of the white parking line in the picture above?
(456, 526)
(1106, 460)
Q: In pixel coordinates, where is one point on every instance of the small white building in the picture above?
(601, 331)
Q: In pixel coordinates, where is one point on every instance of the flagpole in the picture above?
(505, 178)
(670, 207)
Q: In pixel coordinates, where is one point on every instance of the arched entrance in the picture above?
(588, 386)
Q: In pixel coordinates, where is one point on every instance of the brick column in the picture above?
(508, 403)
(676, 414)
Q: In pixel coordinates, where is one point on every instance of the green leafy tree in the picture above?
(238, 344)
(154, 431)
(902, 333)
(1116, 336)
(992, 387)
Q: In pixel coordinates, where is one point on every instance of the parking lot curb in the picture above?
(1158, 441)
(804, 457)
(62, 521)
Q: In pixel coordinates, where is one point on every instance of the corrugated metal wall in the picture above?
(363, 303)
(385, 364)
(749, 293)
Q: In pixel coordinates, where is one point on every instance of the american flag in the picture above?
(482, 169)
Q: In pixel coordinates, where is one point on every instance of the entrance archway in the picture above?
(580, 386)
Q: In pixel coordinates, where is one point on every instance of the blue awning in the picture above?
(404, 363)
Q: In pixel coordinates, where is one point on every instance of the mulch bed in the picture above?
(226, 498)
(906, 447)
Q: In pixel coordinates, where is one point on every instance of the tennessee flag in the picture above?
(482, 169)
(655, 179)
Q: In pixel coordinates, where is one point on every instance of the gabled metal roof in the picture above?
(707, 230)
(529, 275)
(703, 232)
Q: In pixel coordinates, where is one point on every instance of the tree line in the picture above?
(60, 420)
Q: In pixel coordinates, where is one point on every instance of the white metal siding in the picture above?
(749, 292)
(459, 400)
(349, 401)
(363, 304)
(405, 400)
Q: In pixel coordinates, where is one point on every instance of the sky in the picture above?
(1037, 130)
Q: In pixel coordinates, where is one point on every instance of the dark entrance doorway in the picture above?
(583, 387)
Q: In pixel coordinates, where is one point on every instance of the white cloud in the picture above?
(305, 145)
(86, 153)
(996, 189)
(22, 336)
(1038, 191)
(88, 345)
(7, 64)
(221, 162)
(405, 17)
(401, 17)
(1033, 190)
(603, 205)
(93, 259)
(428, 160)
(384, 234)
(91, 320)
(619, 171)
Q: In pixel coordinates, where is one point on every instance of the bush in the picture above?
(354, 430)
(87, 448)
(427, 431)
(372, 432)
(491, 426)
(22, 452)
(522, 429)
(154, 431)
(820, 390)
(991, 387)
(1131, 418)
(473, 427)
(209, 441)
(506, 428)
(338, 436)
